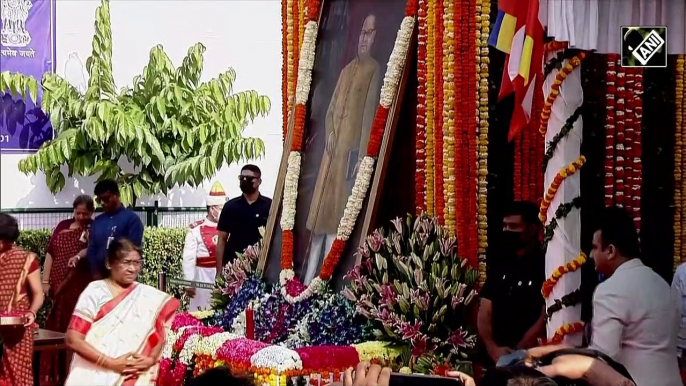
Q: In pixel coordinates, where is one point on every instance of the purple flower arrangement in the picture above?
(253, 288)
(276, 317)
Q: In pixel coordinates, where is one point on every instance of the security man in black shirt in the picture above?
(512, 311)
(242, 217)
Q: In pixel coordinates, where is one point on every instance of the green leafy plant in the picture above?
(171, 127)
(414, 288)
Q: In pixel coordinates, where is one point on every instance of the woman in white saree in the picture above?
(117, 331)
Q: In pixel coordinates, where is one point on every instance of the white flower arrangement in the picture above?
(317, 286)
(238, 325)
(306, 63)
(188, 350)
(170, 339)
(291, 187)
(356, 199)
(209, 345)
(396, 62)
(277, 358)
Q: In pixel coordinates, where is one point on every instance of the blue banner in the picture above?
(27, 46)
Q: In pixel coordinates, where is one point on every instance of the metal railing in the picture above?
(156, 216)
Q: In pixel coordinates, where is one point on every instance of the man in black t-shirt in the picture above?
(512, 310)
(242, 217)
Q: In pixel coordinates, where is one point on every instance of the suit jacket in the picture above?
(635, 322)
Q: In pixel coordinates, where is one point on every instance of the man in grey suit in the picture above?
(635, 313)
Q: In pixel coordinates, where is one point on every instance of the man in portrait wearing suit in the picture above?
(348, 124)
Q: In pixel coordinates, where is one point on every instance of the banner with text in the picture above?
(27, 46)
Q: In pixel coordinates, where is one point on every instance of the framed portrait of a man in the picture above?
(355, 41)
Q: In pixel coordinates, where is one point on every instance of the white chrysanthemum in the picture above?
(356, 199)
(210, 344)
(306, 63)
(396, 62)
(285, 276)
(188, 350)
(278, 358)
(170, 339)
(238, 325)
(290, 191)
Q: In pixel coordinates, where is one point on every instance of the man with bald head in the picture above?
(348, 123)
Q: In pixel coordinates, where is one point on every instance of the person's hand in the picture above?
(30, 318)
(73, 261)
(137, 365)
(119, 364)
(496, 352)
(190, 291)
(366, 375)
(331, 143)
(46, 288)
(464, 378)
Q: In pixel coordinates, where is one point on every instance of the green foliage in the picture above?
(170, 126)
(162, 252)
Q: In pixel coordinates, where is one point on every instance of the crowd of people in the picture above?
(115, 326)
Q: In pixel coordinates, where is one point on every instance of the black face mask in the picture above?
(247, 187)
(513, 241)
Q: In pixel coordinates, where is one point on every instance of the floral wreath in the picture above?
(291, 288)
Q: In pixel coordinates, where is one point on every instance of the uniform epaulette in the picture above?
(196, 224)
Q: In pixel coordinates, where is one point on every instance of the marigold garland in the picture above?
(460, 130)
(609, 166)
(421, 127)
(430, 108)
(555, 185)
(469, 81)
(389, 90)
(448, 116)
(561, 271)
(567, 329)
(629, 140)
(285, 40)
(679, 181)
(438, 117)
(555, 89)
(483, 9)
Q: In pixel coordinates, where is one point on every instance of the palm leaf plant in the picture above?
(171, 127)
(415, 289)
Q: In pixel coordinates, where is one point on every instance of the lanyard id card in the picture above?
(111, 238)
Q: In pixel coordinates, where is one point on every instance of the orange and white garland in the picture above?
(563, 185)
(572, 266)
(389, 89)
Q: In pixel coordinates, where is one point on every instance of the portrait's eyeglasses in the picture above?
(367, 32)
(103, 199)
(246, 178)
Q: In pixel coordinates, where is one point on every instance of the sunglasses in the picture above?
(246, 178)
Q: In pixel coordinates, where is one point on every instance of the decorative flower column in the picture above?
(563, 185)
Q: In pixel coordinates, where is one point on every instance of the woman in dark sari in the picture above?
(65, 275)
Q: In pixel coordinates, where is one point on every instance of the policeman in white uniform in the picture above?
(200, 250)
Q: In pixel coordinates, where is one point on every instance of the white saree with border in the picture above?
(132, 322)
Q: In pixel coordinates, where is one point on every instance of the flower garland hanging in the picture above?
(448, 116)
(430, 108)
(620, 135)
(469, 82)
(567, 329)
(628, 139)
(560, 271)
(636, 154)
(438, 117)
(555, 185)
(610, 97)
(679, 148)
(420, 178)
(353, 206)
(459, 108)
(483, 31)
(555, 89)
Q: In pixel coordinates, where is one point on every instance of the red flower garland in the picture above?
(420, 127)
(468, 12)
(637, 167)
(610, 132)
